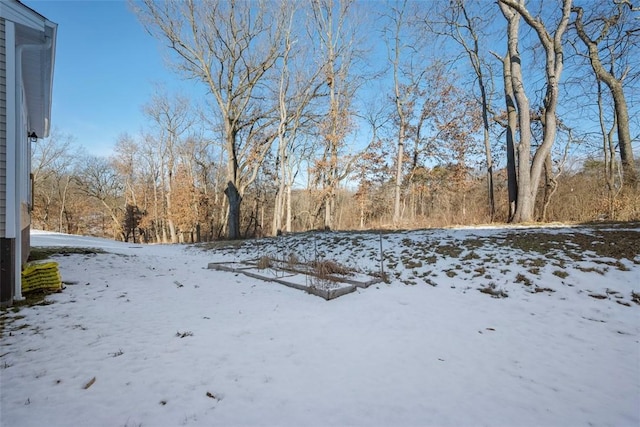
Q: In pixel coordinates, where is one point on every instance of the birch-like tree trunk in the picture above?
(298, 85)
(400, 98)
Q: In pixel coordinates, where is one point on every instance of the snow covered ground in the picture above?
(146, 335)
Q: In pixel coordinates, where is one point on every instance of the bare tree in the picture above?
(335, 35)
(151, 165)
(511, 112)
(404, 44)
(373, 167)
(530, 169)
(395, 52)
(172, 118)
(455, 120)
(298, 85)
(229, 46)
(612, 171)
(466, 29)
(125, 162)
(99, 180)
(53, 165)
(613, 34)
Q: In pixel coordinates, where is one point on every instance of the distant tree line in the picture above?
(465, 112)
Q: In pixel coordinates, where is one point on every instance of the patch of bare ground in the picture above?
(604, 243)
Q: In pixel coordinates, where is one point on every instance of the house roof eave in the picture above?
(18, 12)
(37, 49)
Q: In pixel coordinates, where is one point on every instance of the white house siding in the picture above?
(24, 146)
(27, 43)
(7, 246)
(3, 130)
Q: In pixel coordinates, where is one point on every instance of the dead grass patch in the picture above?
(491, 289)
(604, 242)
(325, 268)
(450, 250)
(521, 278)
(42, 253)
(560, 273)
(264, 262)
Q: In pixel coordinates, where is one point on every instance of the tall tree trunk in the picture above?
(289, 212)
(172, 228)
(525, 204)
(474, 57)
(156, 216)
(283, 142)
(169, 194)
(615, 86)
(398, 182)
(234, 198)
(281, 167)
(163, 197)
(624, 136)
(609, 150)
(327, 213)
(530, 172)
(550, 186)
(399, 104)
(63, 206)
(489, 157)
(279, 199)
(232, 191)
(512, 124)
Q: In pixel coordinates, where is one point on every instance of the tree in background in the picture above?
(466, 24)
(333, 27)
(614, 40)
(172, 119)
(53, 168)
(530, 169)
(372, 169)
(125, 162)
(299, 85)
(229, 46)
(454, 121)
(405, 42)
(509, 119)
(98, 179)
(294, 116)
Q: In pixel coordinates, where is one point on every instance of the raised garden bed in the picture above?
(328, 281)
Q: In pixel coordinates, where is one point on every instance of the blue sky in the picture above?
(106, 68)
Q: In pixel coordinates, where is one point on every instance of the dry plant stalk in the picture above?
(90, 383)
(264, 262)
